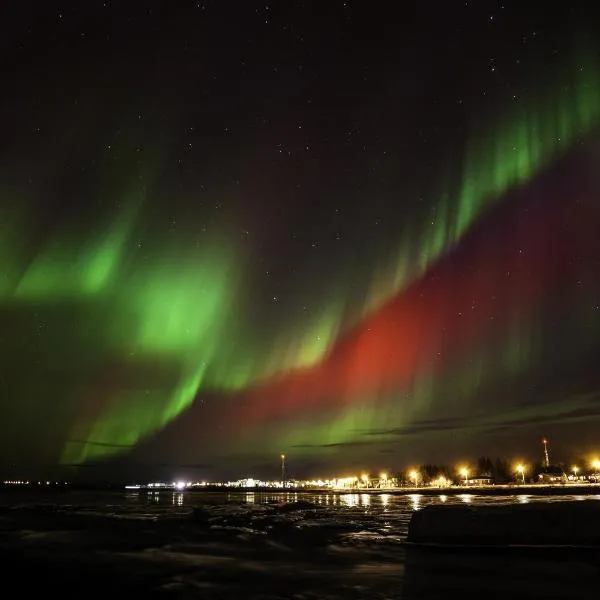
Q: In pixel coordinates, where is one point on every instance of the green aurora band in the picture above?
(183, 306)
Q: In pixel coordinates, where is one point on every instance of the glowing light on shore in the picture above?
(520, 469)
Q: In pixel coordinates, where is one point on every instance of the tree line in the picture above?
(499, 470)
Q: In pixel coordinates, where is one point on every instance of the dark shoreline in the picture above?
(497, 490)
(516, 490)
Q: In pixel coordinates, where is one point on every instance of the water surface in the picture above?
(261, 545)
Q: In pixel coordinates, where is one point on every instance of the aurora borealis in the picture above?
(220, 241)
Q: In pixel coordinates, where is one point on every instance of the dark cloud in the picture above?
(335, 445)
(590, 410)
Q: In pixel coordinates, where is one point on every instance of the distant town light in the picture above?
(520, 469)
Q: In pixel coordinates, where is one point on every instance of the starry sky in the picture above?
(362, 237)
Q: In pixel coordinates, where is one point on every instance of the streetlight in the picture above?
(464, 472)
(383, 479)
(520, 469)
(365, 479)
(575, 470)
(414, 477)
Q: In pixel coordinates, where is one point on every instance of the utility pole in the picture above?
(283, 469)
(546, 456)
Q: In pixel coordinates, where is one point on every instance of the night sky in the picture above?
(362, 235)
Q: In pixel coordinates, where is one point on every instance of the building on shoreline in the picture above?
(552, 474)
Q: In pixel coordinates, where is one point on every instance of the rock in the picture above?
(537, 524)
(294, 506)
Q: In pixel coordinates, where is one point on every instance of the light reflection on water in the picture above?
(351, 499)
(374, 502)
(415, 500)
(383, 513)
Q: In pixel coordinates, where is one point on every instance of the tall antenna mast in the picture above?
(283, 469)
(546, 456)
